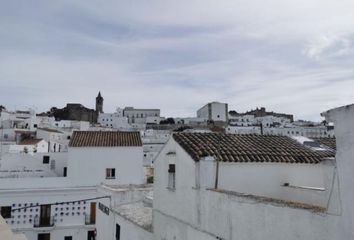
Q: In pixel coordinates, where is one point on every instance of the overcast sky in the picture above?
(288, 56)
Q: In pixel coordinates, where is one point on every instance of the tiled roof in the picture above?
(105, 139)
(49, 130)
(30, 141)
(248, 148)
(328, 142)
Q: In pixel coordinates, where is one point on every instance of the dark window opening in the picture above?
(171, 176)
(110, 173)
(5, 212)
(117, 232)
(46, 159)
(43, 236)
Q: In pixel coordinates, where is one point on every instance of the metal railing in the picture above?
(43, 222)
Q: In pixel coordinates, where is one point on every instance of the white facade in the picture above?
(126, 214)
(66, 219)
(93, 162)
(33, 165)
(214, 111)
(58, 141)
(242, 120)
(251, 201)
(311, 132)
(40, 147)
(153, 142)
(19, 119)
(343, 121)
(113, 120)
(139, 116)
(242, 130)
(129, 118)
(191, 121)
(43, 201)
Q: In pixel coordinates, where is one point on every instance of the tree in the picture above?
(168, 121)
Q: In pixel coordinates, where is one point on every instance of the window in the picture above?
(110, 173)
(65, 172)
(5, 212)
(46, 159)
(68, 238)
(43, 236)
(6, 136)
(35, 125)
(171, 176)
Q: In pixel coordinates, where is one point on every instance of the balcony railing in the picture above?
(43, 222)
(89, 219)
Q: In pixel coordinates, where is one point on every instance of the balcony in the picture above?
(90, 219)
(43, 222)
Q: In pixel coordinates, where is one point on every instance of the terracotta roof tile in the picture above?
(248, 148)
(30, 141)
(105, 139)
(50, 130)
(328, 142)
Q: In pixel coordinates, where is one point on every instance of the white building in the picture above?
(119, 154)
(214, 111)
(153, 142)
(287, 130)
(128, 214)
(114, 120)
(194, 121)
(33, 165)
(60, 202)
(129, 118)
(139, 116)
(19, 119)
(263, 183)
(30, 146)
(58, 141)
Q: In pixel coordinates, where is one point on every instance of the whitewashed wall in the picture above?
(266, 179)
(343, 118)
(70, 223)
(193, 212)
(87, 165)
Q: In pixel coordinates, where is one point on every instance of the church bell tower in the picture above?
(99, 103)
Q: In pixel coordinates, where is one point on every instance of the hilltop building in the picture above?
(130, 118)
(214, 112)
(76, 111)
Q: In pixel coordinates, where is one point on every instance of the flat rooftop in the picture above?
(138, 213)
